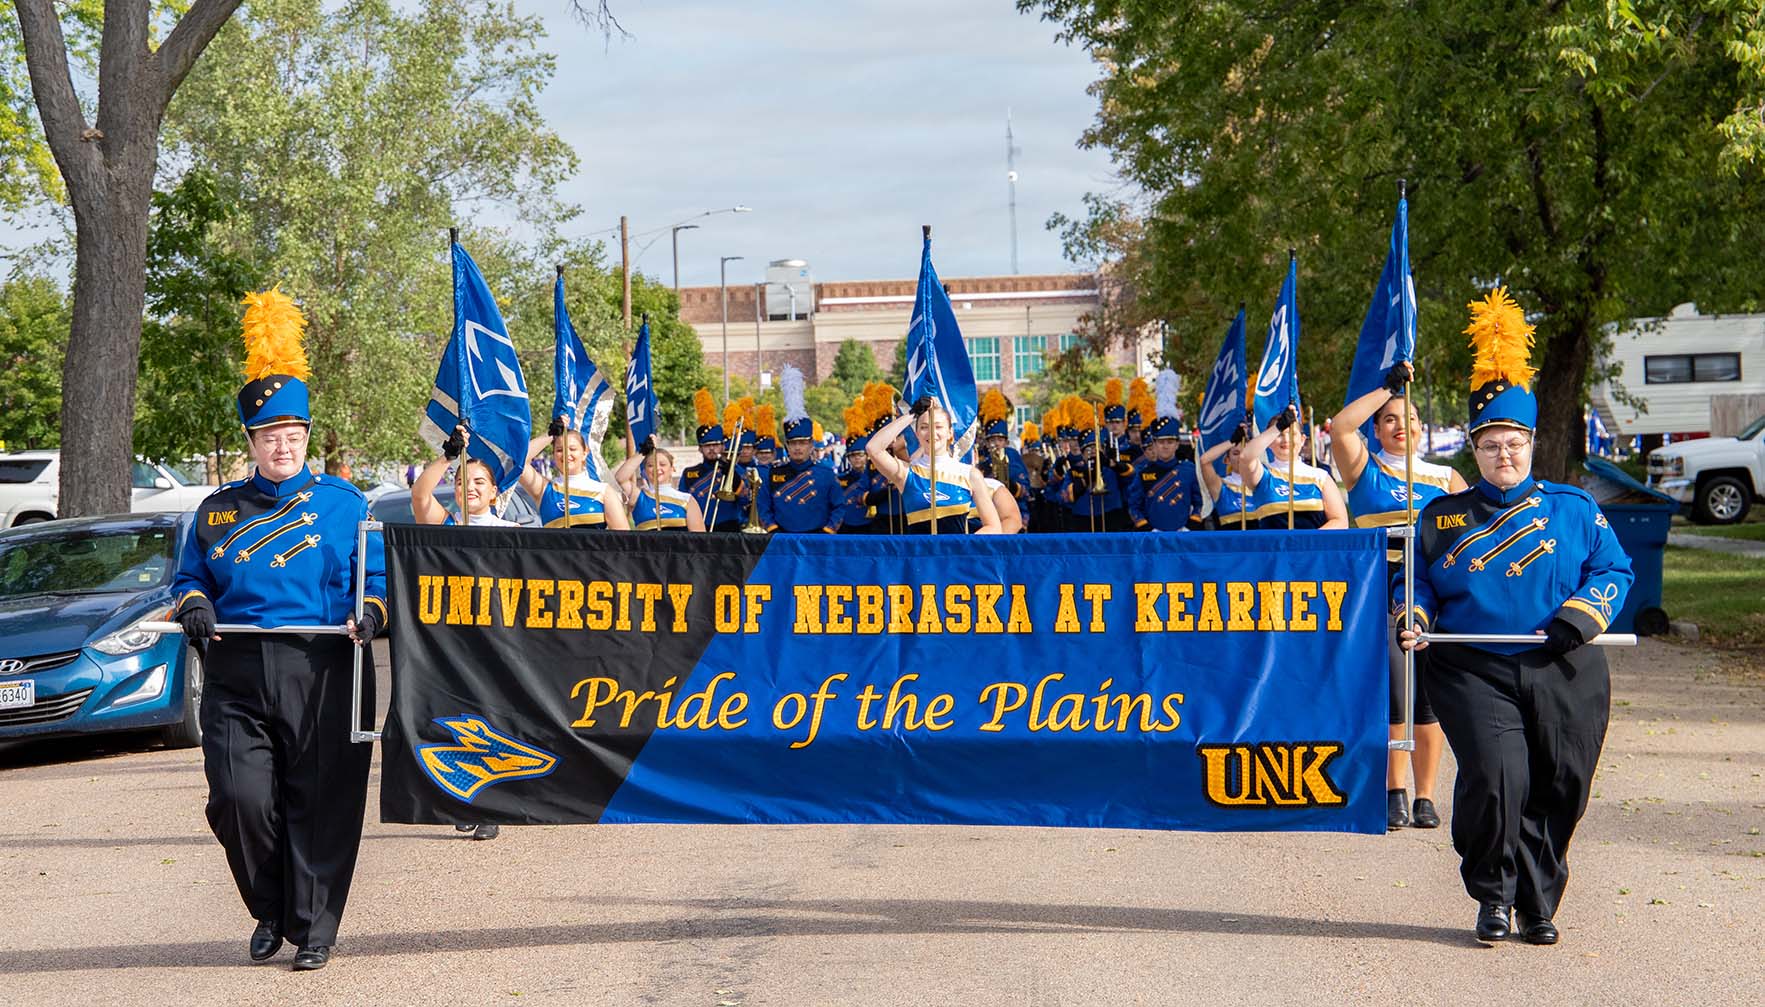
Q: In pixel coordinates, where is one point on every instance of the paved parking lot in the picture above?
(114, 892)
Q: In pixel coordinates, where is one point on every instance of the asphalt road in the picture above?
(112, 891)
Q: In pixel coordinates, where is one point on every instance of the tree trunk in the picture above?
(1561, 379)
(104, 347)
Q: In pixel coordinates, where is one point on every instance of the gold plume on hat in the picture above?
(1137, 389)
(1112, 392)
(1030, 433)
(765, 422)
(732, 415)
(994, 406)
(1501, 340)
(853, 415)
(706, 407)
(817, 430)
(272, 329)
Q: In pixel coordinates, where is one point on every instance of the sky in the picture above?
(844, 125)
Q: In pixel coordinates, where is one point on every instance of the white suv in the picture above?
(30, 482)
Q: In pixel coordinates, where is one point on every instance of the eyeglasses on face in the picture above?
(1513, 448)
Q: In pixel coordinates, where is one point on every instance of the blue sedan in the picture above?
(73, 656)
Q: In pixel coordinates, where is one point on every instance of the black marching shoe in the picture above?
(1536, 929)
(1492, 922)
(311, 958)
(1397, 809)
(486, 830)
(1424, 816)
(266, 940)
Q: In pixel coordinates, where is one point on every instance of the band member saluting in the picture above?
(959, 486)
(646, 483)
(286, 786)
(1515, 554)
(1235, 508)
(1379, 496)
(589, 503)
(1311, 500)
(799, 495)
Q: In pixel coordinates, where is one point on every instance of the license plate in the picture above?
(17, 694)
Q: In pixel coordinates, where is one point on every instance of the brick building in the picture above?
(1011, 323)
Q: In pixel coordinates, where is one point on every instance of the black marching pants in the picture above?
(286, 786)
(1526, 730)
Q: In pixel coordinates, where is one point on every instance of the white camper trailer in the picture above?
(1693, 374)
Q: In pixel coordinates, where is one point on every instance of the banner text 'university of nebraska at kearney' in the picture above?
(1220, 682)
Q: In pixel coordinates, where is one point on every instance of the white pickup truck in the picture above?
(30, 483)
(1717, 478)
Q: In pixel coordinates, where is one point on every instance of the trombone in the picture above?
(725, 493)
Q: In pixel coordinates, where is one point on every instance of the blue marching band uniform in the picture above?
(1526, 722)
(287, 787)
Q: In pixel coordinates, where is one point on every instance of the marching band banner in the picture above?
(1217, 682)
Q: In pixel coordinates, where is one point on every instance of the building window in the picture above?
(1029, 356)
(1070, 340)
(983, 353)
(1686, 368)
(1024, 414)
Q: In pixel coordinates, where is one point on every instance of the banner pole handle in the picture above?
(1292, 477)
(356, 734)
(931, 451)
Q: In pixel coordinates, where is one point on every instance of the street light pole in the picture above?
(723, 290)
(674, 237)
(758, 370)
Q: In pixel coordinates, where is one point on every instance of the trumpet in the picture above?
(1001, 467)
(753, 527)
(726, 492)
(1097, 457)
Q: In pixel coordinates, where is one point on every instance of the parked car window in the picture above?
(86, 562)
(1684, 368)
(1757, 427)
(142, 475)
(183, 476)
(393, 508)
(21, 470)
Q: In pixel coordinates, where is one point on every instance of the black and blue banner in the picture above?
(1198, 681)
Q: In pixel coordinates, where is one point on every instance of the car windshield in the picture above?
(1753, 431)
(183, 476)
(86, 561)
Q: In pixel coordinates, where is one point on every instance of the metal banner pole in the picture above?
(1603, 640)
(1408, 533)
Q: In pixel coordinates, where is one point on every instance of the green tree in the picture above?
(354, 137)
(190, 347)
(1602, 161)
(107, 164)
(854, 366)
(34, 317)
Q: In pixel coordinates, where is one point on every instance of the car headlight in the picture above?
(132, 639)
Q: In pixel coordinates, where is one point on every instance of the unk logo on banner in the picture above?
(499, 373)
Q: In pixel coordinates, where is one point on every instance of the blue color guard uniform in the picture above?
(587, 507)
(1307, 492)
(954, 498)
(659, 507)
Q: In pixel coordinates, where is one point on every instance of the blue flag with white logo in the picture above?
(1222, 405)
(1388, 335)
(1277, 380)
(640, 391)
(479, 382)
(580, 394)
(937, 358)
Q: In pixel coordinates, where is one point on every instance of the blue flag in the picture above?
(937, 358)
(581, 395)
(640, 391)
(479, 382)
(1222, 405)
(1277, 381)
(1388, 335)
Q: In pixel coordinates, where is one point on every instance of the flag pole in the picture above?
(565, 440)
(1250, 417)
(453, 241)
(1409, 511)
(931, 444)
(1292, 400)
